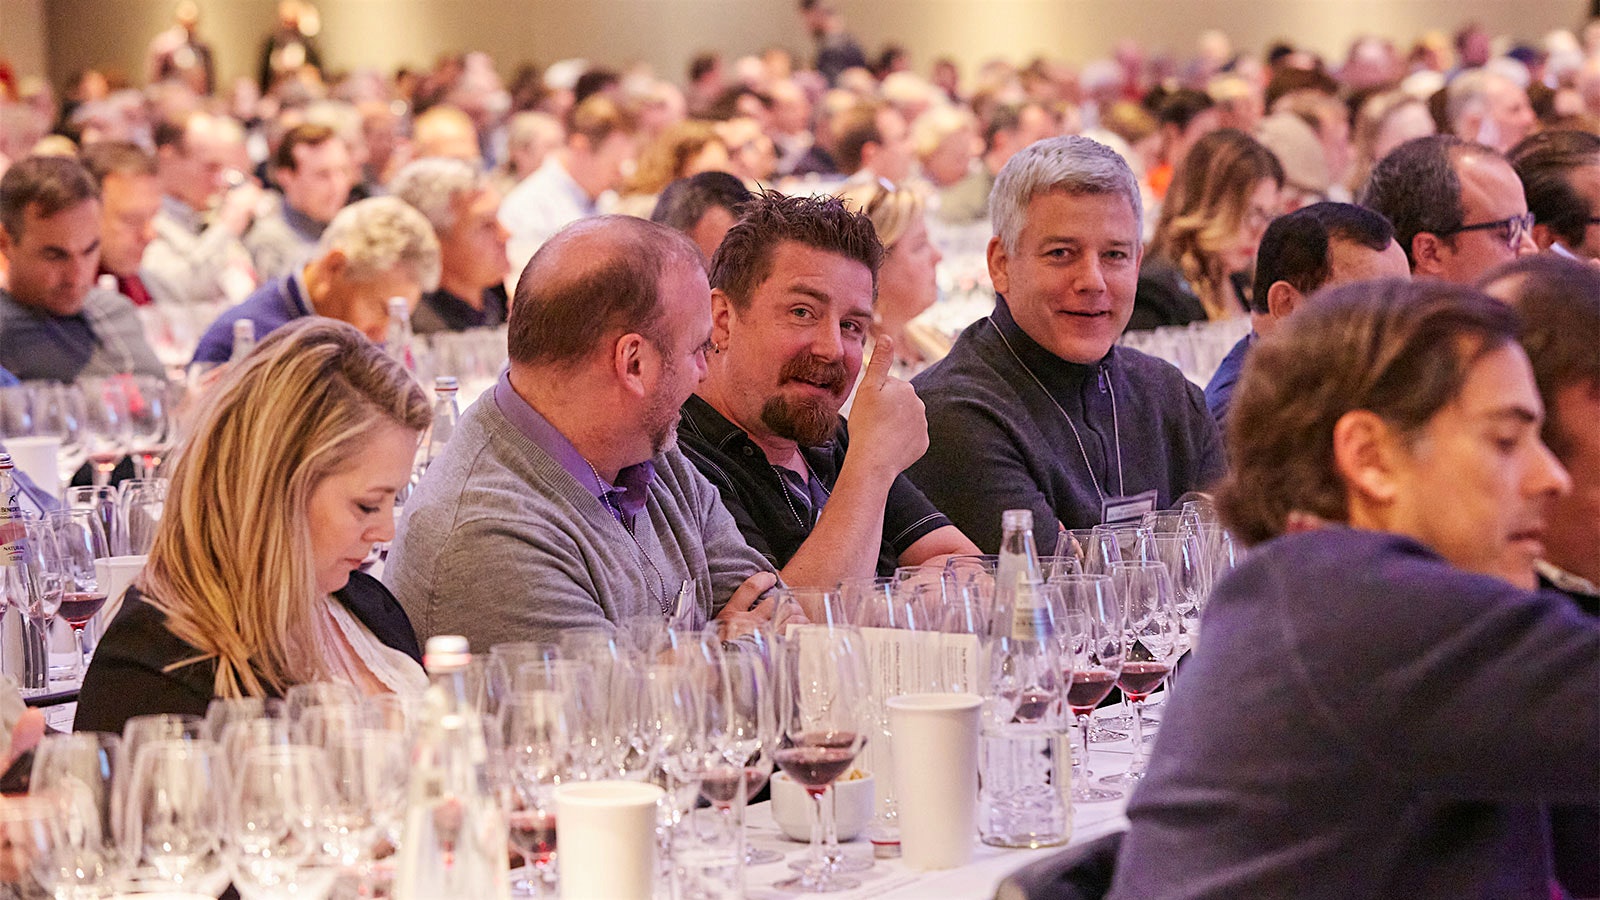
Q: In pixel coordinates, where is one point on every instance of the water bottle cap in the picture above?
(1016, 519)
(5, 461)
(399, 305)
(244, 326)
(446, 651)
(445, 383)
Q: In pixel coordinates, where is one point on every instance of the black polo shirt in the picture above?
(441, 310)
(775, 511)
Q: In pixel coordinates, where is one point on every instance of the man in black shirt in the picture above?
(793, 285)
(461, 205)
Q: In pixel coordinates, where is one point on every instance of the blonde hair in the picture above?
(232, 563)
(891, 209)
(666, 158)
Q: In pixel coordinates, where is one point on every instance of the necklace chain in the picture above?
(783, 484)
(605, 498)
(1116, 429)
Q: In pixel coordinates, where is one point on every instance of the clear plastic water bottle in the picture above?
(10, 514)
(244, 339)
(1025, 773)
(16, 586)
(454, 841)
(445, 415)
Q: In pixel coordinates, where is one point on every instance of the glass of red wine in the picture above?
(1091, 647)
(1152, 641)
(536, 755)
(81, 540)
(824, 711)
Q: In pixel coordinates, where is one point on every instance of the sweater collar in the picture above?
(1057, 374)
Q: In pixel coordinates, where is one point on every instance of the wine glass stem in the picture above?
(79, 665)
(102, 475)
(819, 862)
(1136, 767)
(1083, 766)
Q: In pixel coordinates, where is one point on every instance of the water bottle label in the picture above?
(1029, 622)
(11, 538)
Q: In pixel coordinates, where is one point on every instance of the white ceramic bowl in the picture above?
(791, 808)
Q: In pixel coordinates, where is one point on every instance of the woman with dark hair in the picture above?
(1222, 199)
(1380, 705)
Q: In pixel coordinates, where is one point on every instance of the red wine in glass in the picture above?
(78, 607)
(106, 459)
(721, 785)
(1139, 679)
(814, 768)
(1032, 705)
(1088, 689)
(533, 833)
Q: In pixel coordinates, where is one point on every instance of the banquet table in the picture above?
(891, 879)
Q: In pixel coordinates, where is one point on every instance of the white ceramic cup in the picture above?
(606, 840)
(35, 456)
(936, 777)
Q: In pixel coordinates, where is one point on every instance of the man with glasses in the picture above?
(1458, 208)
(1560, 172)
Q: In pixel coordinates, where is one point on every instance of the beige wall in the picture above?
(67, 35)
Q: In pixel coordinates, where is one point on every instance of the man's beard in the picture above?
(661, 423)
(808, 421)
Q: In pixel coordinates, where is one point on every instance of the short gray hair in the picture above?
(433, 185)
(1071, 165)
(380, 234)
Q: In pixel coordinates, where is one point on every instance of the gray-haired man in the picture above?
(1035, 408)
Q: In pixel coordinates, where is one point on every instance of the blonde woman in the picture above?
(906, 285)
(1223, 196)
(252, 586)
(687, 148)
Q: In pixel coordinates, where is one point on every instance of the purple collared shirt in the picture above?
(624, 500)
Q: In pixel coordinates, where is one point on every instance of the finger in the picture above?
(882, 359)
(750, 592)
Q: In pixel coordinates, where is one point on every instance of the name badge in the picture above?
(1117, 510)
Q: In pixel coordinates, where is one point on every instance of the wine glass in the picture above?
(107, 430)
(1093, 548)
(58, 410)
(275, 838)
(1180, 552)
(80, 541)
(140, 505)
(29, 828)
(506, 659)
(368, 773)
(76, 772)
(1091, 648)
(1153, 633)
(175, 816)
(151, 427)
(824, 711)
(41, 596)
(301, 697)
(537, 758)
(816, 604)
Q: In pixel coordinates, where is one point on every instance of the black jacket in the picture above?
(126, 678)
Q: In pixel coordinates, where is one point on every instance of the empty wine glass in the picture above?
(368, 772)
(139, 507)
(1153, 633)
(1180, 552)
(40, 597)
(29, 827)
(107, 431)
(823, 713)
(1091, 648)
(536, 758)
(1094, 549)
(80, 541)
(278, 823)
(175, 816)
(58, 410)
(76, 772)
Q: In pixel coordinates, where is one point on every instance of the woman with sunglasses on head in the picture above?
(906, 282)
(1382, 706)
(287, 481)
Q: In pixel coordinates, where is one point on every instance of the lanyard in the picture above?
(605, 498)
(1116, 428)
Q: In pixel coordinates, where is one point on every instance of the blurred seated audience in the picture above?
(130, 198)
(1320, 246)
(1198, 266)
(573, 178)
(1560, 174)
(1010, 128)
(1383, 122)
(872, 141)
(462, 206)
(55, 324)
(444, 130)
(253, 584)
(945, 140)
(683, 149)
(1183, 116)
(791, 315)
(314, 174)
(751, 155)
(703, 206)
(1328, 741)
(371, 251)
(1036, 407)
(1486, 107)
(1457, 207)
(198, 249)
(566, 474)
(530, 136)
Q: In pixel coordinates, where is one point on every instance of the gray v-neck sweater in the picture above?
(500, 543)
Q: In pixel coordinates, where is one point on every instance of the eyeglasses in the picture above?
(1510, 230)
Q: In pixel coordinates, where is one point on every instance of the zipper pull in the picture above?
(1100, 376)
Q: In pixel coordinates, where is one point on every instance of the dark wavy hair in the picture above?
(744, 260)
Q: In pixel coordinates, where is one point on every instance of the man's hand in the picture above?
(888, 427)
(238, 206)
(744, 614)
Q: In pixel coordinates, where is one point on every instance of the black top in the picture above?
(126, 678)
(755, 490)
(1164, 297)
(998, 441)
(441, 310)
